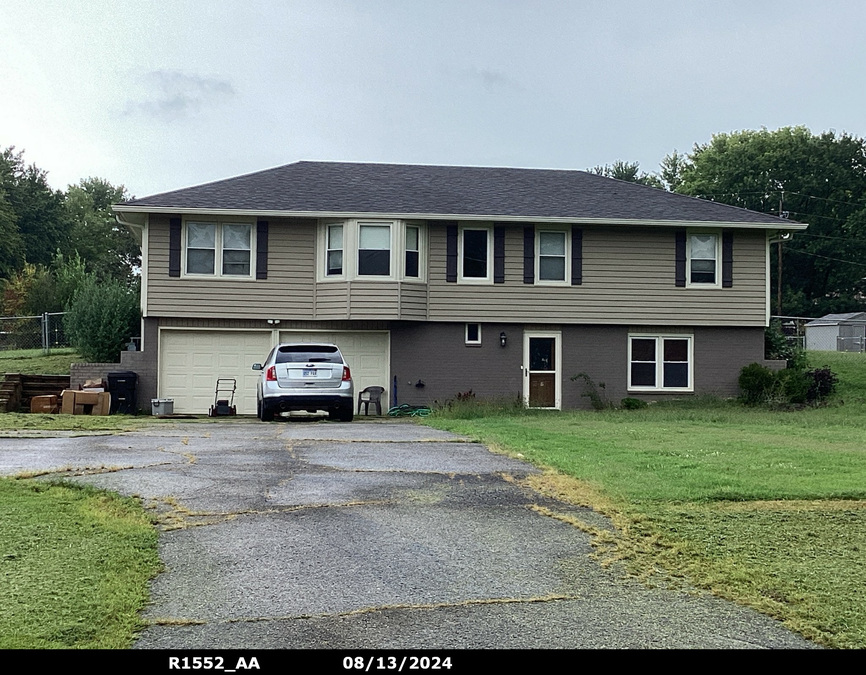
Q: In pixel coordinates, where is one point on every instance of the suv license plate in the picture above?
(311, 372)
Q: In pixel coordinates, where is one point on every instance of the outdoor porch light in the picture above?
(502, 339)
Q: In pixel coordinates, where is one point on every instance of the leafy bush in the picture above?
(793, 386)
(759, 385)
(756, 382)
(777, 346)
(101, 318)
(629, 403)
(822, 383)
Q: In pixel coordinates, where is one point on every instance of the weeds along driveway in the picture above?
(371, 535)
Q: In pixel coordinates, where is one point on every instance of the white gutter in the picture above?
(135, 228)
(120, 208)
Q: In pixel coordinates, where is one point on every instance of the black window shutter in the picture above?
(576, 256)
(498, 254)
(681, 257)
(262, 249)
(727, 259)
(451, 253)
(529, 254)
(174, 247)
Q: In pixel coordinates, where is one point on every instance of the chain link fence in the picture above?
(43, 332)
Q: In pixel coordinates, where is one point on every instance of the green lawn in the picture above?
(761, 506)
(33, 362)
(75, 565)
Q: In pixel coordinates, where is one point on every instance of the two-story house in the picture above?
(435, 280)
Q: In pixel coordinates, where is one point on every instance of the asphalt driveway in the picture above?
(371, 535)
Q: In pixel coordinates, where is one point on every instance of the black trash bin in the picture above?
(122, 386)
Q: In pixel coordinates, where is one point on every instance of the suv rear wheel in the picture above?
(266, 414)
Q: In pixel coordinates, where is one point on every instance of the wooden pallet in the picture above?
(16, 390)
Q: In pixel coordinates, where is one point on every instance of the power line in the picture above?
(826, 257)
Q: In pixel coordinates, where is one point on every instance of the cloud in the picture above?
(173, 95)
(492, 79)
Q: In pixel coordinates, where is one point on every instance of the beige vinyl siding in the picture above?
(288, 290)
(374, 300)
(413, 301)
(332, 300)
(628, 277)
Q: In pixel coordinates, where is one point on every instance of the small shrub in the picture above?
(793, 385)
(757, 383)
(591, 391)
(465, 396)
(822, 383)
(629, 403)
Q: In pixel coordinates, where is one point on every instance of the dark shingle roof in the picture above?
(403, 189)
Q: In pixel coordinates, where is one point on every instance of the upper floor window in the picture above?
(370, 249)
(334, 250)
(413, 251)
(219, 249)
(374, 250)
(703, 256)
(474, 255)
(552, 262)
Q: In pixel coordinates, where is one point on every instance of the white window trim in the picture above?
(701, 284)
(351, 241)
(218, 250)
(468, 342)
(553, 282)
(659, 339)
(483, 281)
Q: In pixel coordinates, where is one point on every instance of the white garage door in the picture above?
(366, 352)
(190, 361)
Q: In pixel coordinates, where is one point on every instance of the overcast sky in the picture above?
(163, 95)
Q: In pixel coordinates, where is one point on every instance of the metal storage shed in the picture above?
(837, 333)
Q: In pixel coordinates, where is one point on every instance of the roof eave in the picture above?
(645, 222)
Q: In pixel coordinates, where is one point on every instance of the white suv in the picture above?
(305, 376)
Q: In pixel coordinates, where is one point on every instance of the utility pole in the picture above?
(779, 275)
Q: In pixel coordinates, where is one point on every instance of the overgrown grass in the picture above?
(75, 564)
(33, 362)
(761, 506)
(16, 421)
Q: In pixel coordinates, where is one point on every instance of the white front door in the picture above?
(542, 369)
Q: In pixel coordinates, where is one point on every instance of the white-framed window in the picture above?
(660, 362)
(334, 250)
(552, 260)
(702, 256)
(371, 249)
(473, 334)
(475, 254)
(218, 249)
(412, 252)
(374, 249)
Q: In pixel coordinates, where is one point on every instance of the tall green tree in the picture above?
(39, 210)
(627, 171)
(107, 249)
(11, 243)
(819, 179)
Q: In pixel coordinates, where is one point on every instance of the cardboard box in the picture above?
(68, 405)
(44, 404)
(103, 405)
(86, 398)
(85, 402)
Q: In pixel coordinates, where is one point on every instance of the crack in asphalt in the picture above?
(179, 517)
(367, 610)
